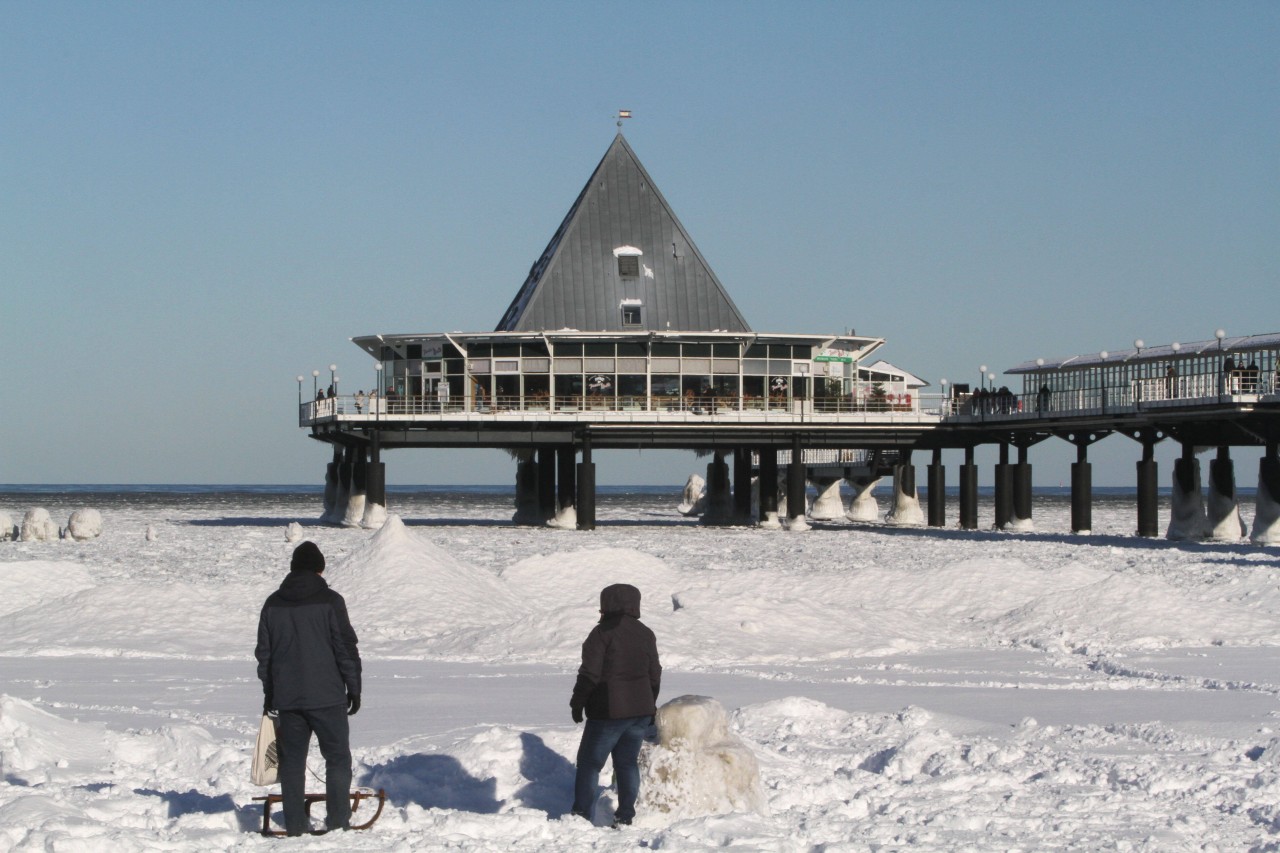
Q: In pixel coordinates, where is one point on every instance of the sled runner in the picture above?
(356, 798)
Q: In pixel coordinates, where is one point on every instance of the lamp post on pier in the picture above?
(1102, 378)
(315, 384)
(333, 379)
(1136, 385)
(1223, 378)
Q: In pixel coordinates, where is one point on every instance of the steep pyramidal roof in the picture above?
(621, 261)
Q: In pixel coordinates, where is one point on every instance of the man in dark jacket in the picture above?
(309, 666)
(617, 687)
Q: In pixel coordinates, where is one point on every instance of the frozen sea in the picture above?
(900, 688)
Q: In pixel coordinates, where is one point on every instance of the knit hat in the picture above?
(307, 558)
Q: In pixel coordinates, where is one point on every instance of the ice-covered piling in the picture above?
(1225, 523)
(906, 500)
(863, 507)
(1187, 518)
(1266, 515)
(828, 504)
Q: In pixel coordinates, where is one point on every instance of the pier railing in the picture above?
(1137, 394)
(585, 407)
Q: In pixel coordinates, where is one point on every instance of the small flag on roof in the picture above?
(624, 113)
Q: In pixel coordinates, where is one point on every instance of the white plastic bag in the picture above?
(266, 760)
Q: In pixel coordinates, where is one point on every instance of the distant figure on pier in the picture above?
(1251, 377)
(1042, 399)
(359, 401)
(1171, 381)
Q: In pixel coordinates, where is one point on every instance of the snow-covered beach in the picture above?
(900, 688)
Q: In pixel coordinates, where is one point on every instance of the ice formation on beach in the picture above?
(37, 526)
(698, 766)
(8, 530)
(84, 524)
(693, 500)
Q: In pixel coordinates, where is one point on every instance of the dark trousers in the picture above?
(293, 739)
(602, 739)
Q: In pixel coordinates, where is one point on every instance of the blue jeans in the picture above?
(293, 739)
(601, 739)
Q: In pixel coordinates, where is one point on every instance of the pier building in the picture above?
(621, 336)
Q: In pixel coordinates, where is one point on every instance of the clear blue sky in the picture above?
(203, 200)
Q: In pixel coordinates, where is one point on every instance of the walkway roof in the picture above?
(1162, 352)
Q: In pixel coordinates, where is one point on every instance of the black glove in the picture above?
(577, 711)
(353, 704)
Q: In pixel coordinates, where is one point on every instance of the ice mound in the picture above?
(84, 524)
(401, 585)
(698, 767)
(135, 619)
(559, 597)
(293, 533)
(38, 747)
(30, 584)
(37, 526)
(8, 530)
(1133, 612)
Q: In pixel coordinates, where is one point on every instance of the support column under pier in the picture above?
(527, 510)
(1003, 489)
(566, 516)
(796, 486)
(937, 491)
(768, 485)
(1187, 517)
(1081, 491)
(358, 492)
(906, 500)
(742, 485)
(546, 483)
(1148, 482)
(1266, 517)
(331, 486)
(719, 499)
(586, 486)
(1021, 477)
(1225, 523)
(344, 486)
(968, 492)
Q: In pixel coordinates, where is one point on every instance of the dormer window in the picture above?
(628, 261)
(632, 314)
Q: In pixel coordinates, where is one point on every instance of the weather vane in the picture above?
(621, 115)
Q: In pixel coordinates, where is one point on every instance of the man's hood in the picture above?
(301, 585)
(620, 598)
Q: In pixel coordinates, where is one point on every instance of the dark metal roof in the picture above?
(1161, 352)
(576, 284)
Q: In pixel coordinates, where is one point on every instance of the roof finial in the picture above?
(621, 115)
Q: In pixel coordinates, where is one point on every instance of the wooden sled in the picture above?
(356, 798)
